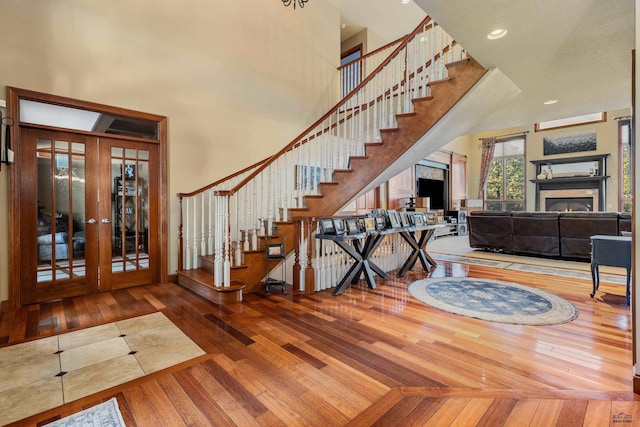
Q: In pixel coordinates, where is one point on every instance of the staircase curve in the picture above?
(394, 117)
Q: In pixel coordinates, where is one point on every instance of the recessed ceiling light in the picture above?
(550, 101)
(405, 1)
(497, 34)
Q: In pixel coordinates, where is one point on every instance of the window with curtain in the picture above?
(505, 188)
(624, 180)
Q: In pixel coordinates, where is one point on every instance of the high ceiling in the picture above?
(575, 51)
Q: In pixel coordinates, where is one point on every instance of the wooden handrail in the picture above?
(220, 181)
(378, 50)
(335, 108)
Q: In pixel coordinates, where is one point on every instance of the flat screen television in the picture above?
(435, 190)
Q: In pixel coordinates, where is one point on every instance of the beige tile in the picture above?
(88, 336)
(153, 359)
(162, 335)
(87, 355)
(28, 350)
(21, 402)
(140, 323)
(100, 376)
(29, 371)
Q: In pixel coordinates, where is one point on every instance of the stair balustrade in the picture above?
(235, 213)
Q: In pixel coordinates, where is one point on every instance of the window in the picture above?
(571, 121)
(505, 187)
(624, 180)
(350, 75)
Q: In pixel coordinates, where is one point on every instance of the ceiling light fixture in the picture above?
(550, 102)
(405, 1)
(289, 2)
(497, 34)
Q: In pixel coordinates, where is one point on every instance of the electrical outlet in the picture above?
(609, 205)
(3, 103)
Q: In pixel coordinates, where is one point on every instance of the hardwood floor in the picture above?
(363, 358)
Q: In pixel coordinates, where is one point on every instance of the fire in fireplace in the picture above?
(564, 204)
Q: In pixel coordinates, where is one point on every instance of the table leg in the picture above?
(418, 251)
(628, 286)
(354, 271)
(595, 278)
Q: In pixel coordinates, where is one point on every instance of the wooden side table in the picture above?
(614, 251)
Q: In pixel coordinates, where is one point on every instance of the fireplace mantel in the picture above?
(590, 179)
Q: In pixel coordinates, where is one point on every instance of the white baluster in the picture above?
(203, 241)
(187, 243)
(195, 232)
(227, 242)
(210, 223)
(218, 255)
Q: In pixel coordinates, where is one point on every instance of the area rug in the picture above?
(106, 414)
(494, 301)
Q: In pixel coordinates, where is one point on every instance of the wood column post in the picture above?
(297, 268)
(309, 273)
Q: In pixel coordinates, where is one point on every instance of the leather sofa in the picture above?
(564, 235)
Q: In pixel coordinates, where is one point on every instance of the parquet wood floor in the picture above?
(367, 357)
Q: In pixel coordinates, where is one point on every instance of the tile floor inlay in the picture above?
(49, 372)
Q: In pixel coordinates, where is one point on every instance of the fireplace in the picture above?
(563, 204)
(569, 200)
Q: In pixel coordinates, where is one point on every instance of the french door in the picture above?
(88, 214)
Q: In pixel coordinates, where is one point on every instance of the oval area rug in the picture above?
(494, 300)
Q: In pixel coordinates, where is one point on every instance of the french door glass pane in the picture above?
(130, 210)
(60, 195)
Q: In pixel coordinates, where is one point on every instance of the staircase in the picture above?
(224, 226)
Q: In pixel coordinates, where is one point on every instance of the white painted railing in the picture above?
(222, 218)
(352, 73)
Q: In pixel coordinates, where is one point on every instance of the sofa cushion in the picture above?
(576, 229)
(536, 233)
(490, 230)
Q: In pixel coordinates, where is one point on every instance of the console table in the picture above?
(614, 251)
(361, 252)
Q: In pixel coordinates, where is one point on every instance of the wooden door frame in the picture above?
(14, 95)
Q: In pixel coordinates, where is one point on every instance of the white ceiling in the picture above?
(575, 51)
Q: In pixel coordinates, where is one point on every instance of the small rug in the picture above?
(106, 414)
(494, 301)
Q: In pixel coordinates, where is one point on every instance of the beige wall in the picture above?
(607, 142)
(237, 80)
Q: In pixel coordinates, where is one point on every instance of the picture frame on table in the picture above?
(440, 220)
(419, 219)
(352, 226)
(338, 224)
(369, 224)
(406, 219)
(431, 218)
(381, 222)
(394, 219)
(326, 226)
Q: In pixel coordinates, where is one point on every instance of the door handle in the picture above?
(90, 221)
(106, 221)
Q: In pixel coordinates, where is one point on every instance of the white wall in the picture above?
(237, 80)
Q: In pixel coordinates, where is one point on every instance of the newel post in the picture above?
(309, 273)
(180, 247)
(297, 235)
